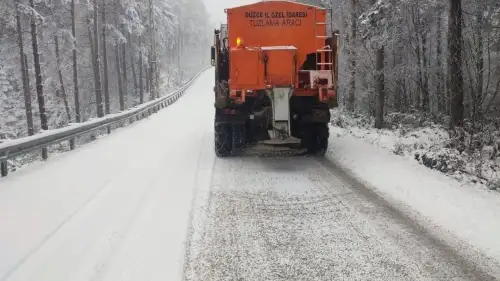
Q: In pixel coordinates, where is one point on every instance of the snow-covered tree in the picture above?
(125, 33)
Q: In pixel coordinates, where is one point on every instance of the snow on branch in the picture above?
(116, 36)
(27, 10)
(376, 24)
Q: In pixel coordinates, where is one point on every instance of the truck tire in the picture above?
(322, 136)
(316, 139)
(238, 137)
(223, 139)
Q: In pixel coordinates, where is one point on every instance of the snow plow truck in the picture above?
(275, 78)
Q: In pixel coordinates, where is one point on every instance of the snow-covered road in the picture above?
(152, 202)
(304, 219)
(115, 209)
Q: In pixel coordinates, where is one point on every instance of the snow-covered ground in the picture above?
(422, 140)
(115, 209)
(464, 216)
(152, 202)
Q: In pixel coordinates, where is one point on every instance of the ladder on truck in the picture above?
(322, 49)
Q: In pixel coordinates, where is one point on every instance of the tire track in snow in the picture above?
(196, 231)
(299, 219)
(470, 262)
(122, 234)
(46, 238)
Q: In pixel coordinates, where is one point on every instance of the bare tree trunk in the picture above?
(398, 92)
(141, 66)
(92, 48)
(26, 74)
(478, 95)
(439, 60)
(148, 84)
(61, 80)
(132, 63)
(24, 67)
(150, 79)
(351, 96)
(38, 72)
(152, 58)
(134, 76)
(380, 88)
(456, 90)
(119, 76)
(97, 73)
(418, 50)
(121, 94)
(124, 66)
(406, 102)
(38, 78)
(178, 54)
(379, 84)
(420, 80)
(176, 51)
(157, 78)
(425, 74)
(105, 60)
(75, 65)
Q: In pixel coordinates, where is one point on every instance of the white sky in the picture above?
(216, 8)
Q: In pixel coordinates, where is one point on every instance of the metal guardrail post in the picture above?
(45, 154)
(4, 168)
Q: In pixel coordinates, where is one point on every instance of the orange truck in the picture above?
(276, 72)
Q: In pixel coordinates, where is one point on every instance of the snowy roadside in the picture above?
(167, 87)
(422, 140)
(455, 210)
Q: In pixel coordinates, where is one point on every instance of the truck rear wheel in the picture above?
(316, 139)
(239, 136)
(223, 139)
(322, 136)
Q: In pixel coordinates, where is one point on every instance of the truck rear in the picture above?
(275, 77)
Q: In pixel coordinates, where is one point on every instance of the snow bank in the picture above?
(472, 215)
(421, 139)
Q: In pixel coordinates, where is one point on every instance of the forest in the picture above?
(68, 61)
(422, 78)
(419, 77)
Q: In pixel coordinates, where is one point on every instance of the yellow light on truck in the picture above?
(238, 41)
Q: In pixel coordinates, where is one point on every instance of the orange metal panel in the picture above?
(255, 68)
(281, 66)
(247, 70)
(276, 23)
